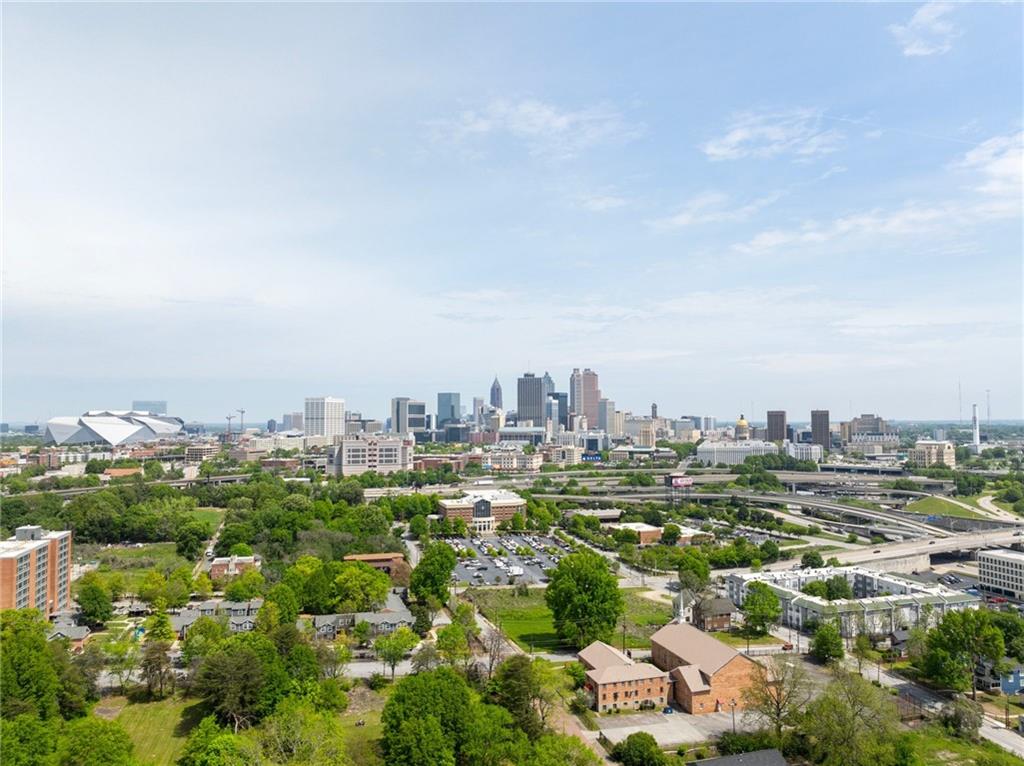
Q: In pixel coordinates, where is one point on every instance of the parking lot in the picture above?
(508, 557)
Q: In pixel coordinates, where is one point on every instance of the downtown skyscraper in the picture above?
(584, 395)
(496, 394)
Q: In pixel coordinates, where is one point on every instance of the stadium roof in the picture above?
(112, 427)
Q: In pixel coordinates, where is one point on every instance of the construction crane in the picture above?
(241, 422)
(229, 419)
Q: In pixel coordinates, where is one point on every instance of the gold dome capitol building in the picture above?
(742, 429)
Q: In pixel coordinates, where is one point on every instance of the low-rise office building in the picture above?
(483, 510)
(733, 453)
(804, 451)
(1002, 571)
(882, 602)
(928, 452)
(232, 566)
(35, 570)
(361, 453)
(513, 460)
(648, 533)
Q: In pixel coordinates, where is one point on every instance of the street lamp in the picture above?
(732, 704)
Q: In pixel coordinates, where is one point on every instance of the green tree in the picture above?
(452, 645)
(812, 560)
(761, 609)
(210, 745)
(958, 644)
(392, 648)
(243, 679)
(28, 680)
(203, 638)
(153, 470)
(827, 643)
(849, 722)
(156, 667)
(360, 587)
(838, 587)
(561, 750)
(27, 740)
(158, 626)
(432, 576)
(245, 586)
(442, 694)
(93, 741)
(190, 539)
(670, 534)
(639, 749)
(584, 598)
(286, 600)
(122, 660)
(493, 739)
(863, 651)
(816, 588)
(420, 742)
(418, 527)
(94, 600)
(527, 689)
(296, 733)
(694, 569)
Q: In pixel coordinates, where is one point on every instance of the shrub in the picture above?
(377, 681)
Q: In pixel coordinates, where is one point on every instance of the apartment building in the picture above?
(514, 460)
(483, 510)
(733, 453)
(927, 452)
(616, 682)
(324, 416)
(197, 453)
(359, 453)
(35, 570)
(1002, 571)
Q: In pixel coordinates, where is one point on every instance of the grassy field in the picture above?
(937, 748)
(737, 639)
(364, 741)
(158, 729)
(212, 516)
(133, 562)
(528, 621)
(973, 500)
(936, 506)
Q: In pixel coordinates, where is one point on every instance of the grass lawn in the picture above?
(159, 729)
(936, 506)
(801, 541)
(364, 741)
(737, 639)
(973, 500)
(212, 516)
(937, 748)
(528, 621)
(133, 562)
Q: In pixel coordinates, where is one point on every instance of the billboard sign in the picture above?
(680, 482)
(595, 458)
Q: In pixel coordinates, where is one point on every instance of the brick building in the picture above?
(483, 510)
(616, 682)
(35, 570)
(706, 675)
(230, 566)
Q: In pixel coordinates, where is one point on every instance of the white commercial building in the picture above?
(733, 453)
(324, 416)
(361, 453)
(1002, 571)
(804, 451)
(882, 602)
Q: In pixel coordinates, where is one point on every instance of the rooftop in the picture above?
(694, 646)
(600, 655)
(611, 674)
(1005, 553)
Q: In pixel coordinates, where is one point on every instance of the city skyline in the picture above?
(717, 224)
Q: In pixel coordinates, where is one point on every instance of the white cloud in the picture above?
(797, 132)
(713, 207)
(600, 203)
(547, 129)
(928, 32)
(997, 163)
(1000, 161)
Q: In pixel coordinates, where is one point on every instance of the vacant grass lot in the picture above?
(133, 562)
(212, 516)
(936, 506)
(735, 638)
(937, 748)
(528, 621)
(159, 728)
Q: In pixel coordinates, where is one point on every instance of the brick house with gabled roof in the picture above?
(615, 682)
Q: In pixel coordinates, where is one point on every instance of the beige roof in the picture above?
(639, 671)
(691, 676)
(694, 647)
(602, 655)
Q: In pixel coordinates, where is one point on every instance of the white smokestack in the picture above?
(974, 423)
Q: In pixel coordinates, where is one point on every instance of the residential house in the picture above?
(240, 615)
(389, 618)
(76, 635)
(615, 682)
(230, 566)
(707, 676)
(1007, 679)
(753, 758)
(714, 614)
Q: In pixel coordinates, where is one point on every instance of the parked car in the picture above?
(668, 711)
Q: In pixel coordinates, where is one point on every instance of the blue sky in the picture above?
(717, 207)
